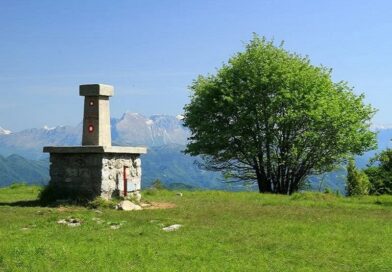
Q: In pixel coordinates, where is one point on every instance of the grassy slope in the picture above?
(221, 232)
(16, 168)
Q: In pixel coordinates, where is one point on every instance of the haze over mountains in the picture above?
(21, 156)
(130, 129)
(164, 135)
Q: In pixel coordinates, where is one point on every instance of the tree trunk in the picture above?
(264, 185)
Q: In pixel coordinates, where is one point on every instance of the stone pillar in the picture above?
(96, 120)
(96, 168)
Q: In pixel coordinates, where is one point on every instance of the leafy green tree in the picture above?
(269, 116)
(380, 173)
(357, 181)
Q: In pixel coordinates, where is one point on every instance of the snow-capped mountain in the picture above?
(157, 130)
(29, 142)
(130, 129)
(4, 131)
(164, 135)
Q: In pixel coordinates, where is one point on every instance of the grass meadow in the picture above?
(221, 231)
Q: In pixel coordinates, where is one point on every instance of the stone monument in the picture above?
(96, 168)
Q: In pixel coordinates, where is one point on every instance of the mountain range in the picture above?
(21, 156)
(164, 135)
(131, 129)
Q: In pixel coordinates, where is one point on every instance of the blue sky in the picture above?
(152, 50)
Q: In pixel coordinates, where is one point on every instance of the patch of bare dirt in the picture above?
(160, 205)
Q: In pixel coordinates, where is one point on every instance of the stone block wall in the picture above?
(88, 175)
(113, 171)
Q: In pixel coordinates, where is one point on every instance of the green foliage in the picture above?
(380, 173)
(150, 192)
(133, 198)
(270, 116)
(100, 202)
(357, 181)
(157, 184)
(221, 232)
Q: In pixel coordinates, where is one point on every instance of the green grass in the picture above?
(221, 232)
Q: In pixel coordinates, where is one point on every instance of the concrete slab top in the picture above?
(96, 149)
(96, 90)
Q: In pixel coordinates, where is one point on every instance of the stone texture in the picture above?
(96, 120)
(95, 149)
(70, 222)
(94, 174)
(172, 227)
(127, 205)
(115, 227)
(137, 195)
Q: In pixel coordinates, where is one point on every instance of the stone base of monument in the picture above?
(86, 172)
(96, 168)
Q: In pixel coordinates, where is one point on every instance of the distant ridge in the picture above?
(15, 168)
(130, 129)
(164, 135)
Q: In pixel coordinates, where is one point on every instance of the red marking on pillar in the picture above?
(125, 181)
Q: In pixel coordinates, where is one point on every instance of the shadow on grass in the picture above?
(39, 203)
(383, 203)
(25, 203)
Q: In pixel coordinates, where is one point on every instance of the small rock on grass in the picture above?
(172, 227)
(98, 220)
(70, 222)
(115, 226)
(127, 205)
